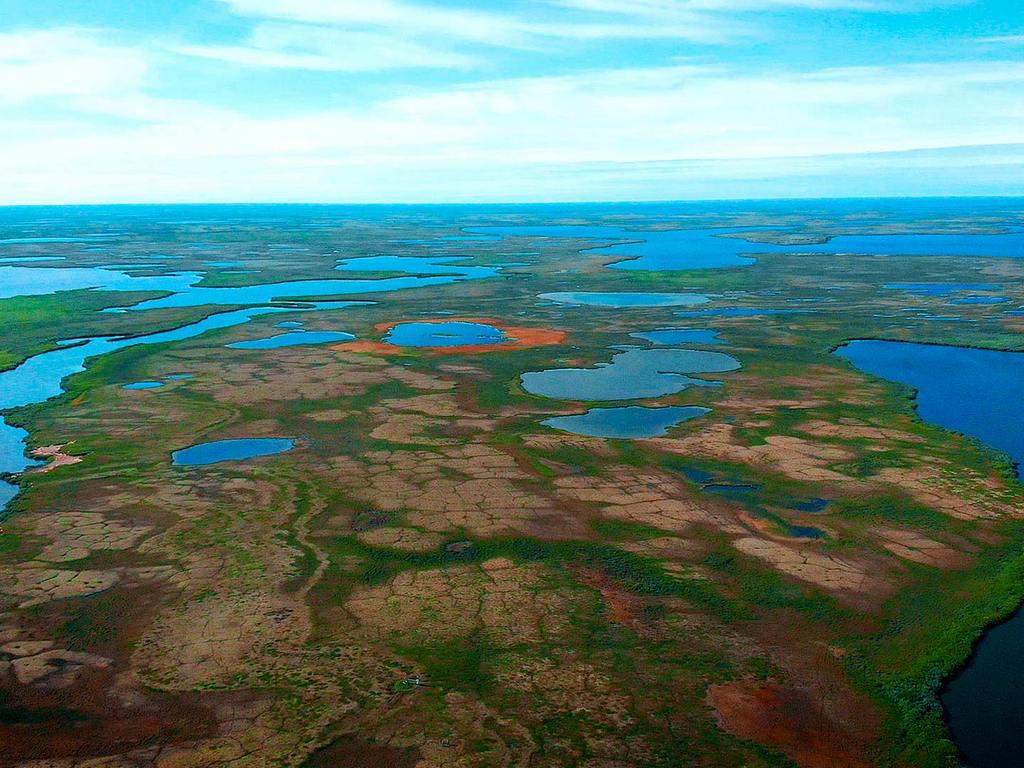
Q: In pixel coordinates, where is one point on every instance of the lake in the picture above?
(39, 378)
(973, 391)
(976, 392)
(631, 375)
(294, 339)
(631, 421)
(231, 450)
(725, 247)
(452, 333)
(679, 336)
(625, 300)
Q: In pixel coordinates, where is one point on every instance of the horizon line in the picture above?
(482, 203)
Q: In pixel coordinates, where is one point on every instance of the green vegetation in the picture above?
(635, 591)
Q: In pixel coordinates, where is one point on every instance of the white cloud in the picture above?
(487, 137)
(539, 22)
(1003, 40)
(65, 63)
(303, 46)
(455, 26)
(667, 8)
(359, 35)
(460, 24)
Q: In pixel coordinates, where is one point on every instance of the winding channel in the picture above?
(40, 377)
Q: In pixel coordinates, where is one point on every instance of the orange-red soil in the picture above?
(789, 721)
(519, 338)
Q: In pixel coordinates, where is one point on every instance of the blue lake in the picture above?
(812, 505)
(979, 300)
(632, 421)
(39, 378)
(940, 289)
(741, 312)
(231, 450)
(452, 266)
(673, 249)
(976, 392)
(679, 336)
(50, 240)
(730, 489)
(421, 273)
(713, 248)
(39, 281)
(143, 385)
(137, 265)
(624, 300)
(186, 291)
(973, 391)
(447, 334)
(296, 339)
(631, 375)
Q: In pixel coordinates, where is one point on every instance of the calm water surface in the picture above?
(624, 300)
(631, 375)
(679, 336)
(979, 393)
(448, 334)
(940, 289)
(231, 450)
(974, 391)
(39, 378)
(631, 421)
(296, 339)
(715, 249)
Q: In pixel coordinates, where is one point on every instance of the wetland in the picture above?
(559, 485)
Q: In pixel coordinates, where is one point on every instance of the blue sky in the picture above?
(525, 100)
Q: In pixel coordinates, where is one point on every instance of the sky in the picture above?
(523, 100)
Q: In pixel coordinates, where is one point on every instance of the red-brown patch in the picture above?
(351, 751)
(85, 721)
(623, 607)
(520, 337)
(789, 721)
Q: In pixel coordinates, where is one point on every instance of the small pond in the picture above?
(451, 333)
(813, 505)
(979, 300)
(231, 450)
(940, 289)
(295, 339)
(632, 421)
(679, 336)
(623, 300)
(741, 312)
(633, 374)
